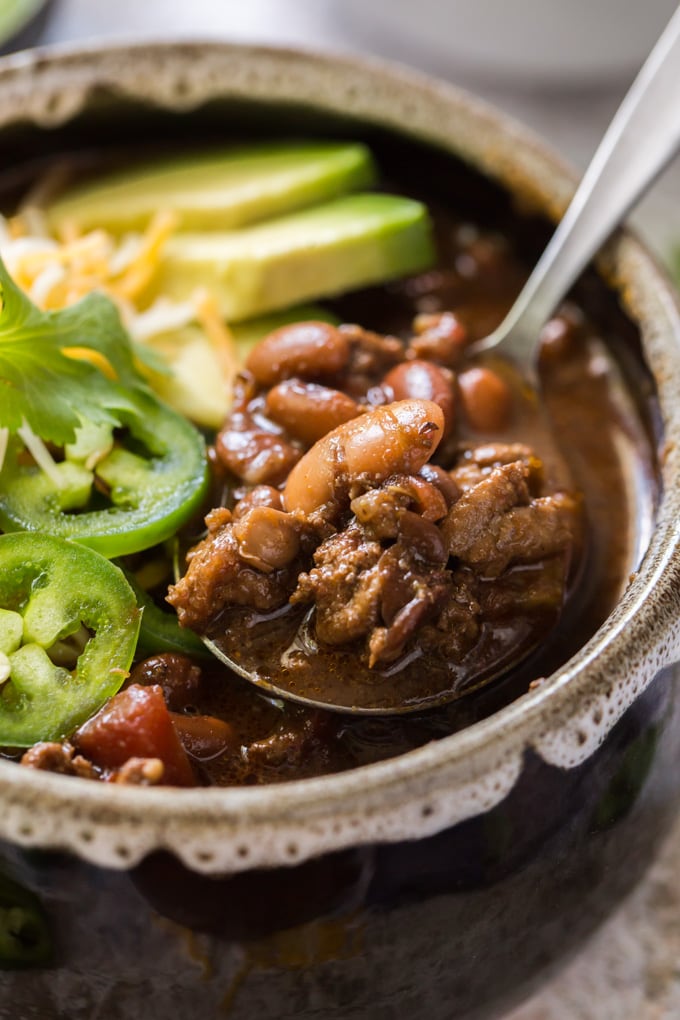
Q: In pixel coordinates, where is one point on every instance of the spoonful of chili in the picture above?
(375, 542)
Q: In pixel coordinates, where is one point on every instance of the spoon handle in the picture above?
(641, 139)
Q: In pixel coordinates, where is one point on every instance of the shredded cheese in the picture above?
(217, 331)
(122, 269)
(57, 271)
(142, 268)
(163, 316)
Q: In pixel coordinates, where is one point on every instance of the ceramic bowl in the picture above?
(444, 883)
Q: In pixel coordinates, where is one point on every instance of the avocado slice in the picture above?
(350, 242)
(195, 384)
(17, 19)
(218, 190)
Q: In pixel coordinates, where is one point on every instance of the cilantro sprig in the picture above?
(62, 367)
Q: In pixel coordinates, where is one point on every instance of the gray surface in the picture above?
(629, 970)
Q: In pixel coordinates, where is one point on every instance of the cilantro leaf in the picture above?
(49, 389)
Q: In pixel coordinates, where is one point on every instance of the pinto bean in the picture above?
(256, 456)
(422, 380)
(267, 538)
(560, 335)
(393, 439)
(422, 537)
(308, 350)
(204, 736)
(440, 337)
(260, 495)
(440, 478)
(486, 399)
(308, 411)
(177, 676)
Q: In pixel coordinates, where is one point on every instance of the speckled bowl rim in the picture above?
(566, 718)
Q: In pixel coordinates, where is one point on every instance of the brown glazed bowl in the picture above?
(445, 883)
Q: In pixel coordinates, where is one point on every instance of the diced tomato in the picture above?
(136, 723)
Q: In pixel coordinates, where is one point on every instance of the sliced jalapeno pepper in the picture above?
(160, 631)
(68, 629)
(119, 496)
(25, 939)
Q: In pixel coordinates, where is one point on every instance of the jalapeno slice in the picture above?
(160, 630)
(68, 629)
(116, 497)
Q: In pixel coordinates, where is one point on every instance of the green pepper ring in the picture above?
(160, 630)
(151, 497)
(56, 587)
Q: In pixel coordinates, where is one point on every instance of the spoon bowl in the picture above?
(279, 652)
(342, 682)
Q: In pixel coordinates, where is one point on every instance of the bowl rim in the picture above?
(565, 718)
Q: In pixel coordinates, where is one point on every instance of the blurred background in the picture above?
(561, 66)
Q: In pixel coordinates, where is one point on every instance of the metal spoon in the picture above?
(641, 139)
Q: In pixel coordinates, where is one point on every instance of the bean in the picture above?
(486, 399)
(204, 736)
(440, 337)
(307, 410)
(267, 538)
(177, 676)
(560, 334)
(440, 478)
(396, 438)
(304, 349)
(256, 456)
(422, 537)
(427, 322)
(421, 380)
(260, 495)
(371, 354)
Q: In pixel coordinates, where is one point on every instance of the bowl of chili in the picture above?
(446, 873)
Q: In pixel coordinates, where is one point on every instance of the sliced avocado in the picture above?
(195, 385)
(16, 18)
(218, 190)
(350, 242)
